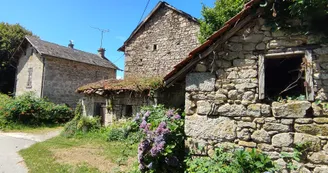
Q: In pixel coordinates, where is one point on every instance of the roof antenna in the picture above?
(102, 33)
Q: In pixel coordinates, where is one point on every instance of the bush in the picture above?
(162, 148)
(225, 161)
(80, 123)
(125, 131)
(28, 109)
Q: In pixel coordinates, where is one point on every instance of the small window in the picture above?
(29, 78)
(286, 75)
(154, 47)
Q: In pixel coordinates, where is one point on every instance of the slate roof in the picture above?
(157, 7)
(58, 51)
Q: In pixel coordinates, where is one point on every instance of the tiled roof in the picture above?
(157, 7)
(58, 51)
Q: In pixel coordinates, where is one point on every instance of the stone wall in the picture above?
(31, 59)
(223, 107)
(63, 77)
(173, 34)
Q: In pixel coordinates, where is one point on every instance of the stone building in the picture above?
(55, 72)
(254, 87)
(158, 43)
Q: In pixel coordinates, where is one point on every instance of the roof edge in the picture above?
(159, 4)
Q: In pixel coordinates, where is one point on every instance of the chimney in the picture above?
(101, 52)
(71, 45)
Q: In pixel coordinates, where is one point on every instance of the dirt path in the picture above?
(11, 143)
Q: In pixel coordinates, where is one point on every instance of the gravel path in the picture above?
(11, 143)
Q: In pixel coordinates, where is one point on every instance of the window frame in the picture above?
(308, 71)
(29, 77)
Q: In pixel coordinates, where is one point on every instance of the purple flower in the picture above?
(147, 114)
(159, 139)
(137, 117)
(143, 124)
(141, 167)
(161, 129)
(170, 113)
(177, 116)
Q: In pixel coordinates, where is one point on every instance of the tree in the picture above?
(214, 18)
(10, 38)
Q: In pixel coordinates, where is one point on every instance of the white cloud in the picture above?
(119, 77)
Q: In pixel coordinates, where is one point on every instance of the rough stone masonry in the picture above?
(223, 107)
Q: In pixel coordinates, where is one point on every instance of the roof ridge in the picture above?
(152, 12)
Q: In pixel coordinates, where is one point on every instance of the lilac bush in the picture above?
(162, 148)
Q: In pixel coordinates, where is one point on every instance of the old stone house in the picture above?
(54, 72)
(239, 86)
(156, 45)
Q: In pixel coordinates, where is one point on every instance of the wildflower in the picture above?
(157, 148)
(177, 116)
(170, 113)
(141, 167)
(147, 114)
(143, 124)
(161, 129)
(137, 117)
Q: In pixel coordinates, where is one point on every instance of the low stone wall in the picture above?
(272, 129)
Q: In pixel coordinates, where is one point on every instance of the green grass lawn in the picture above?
(90, 152)
(34, 130)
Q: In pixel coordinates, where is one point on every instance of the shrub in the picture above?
(28, 109)
(80, 123)
(162, 149)
(225, 161)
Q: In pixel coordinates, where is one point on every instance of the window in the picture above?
(29, 78)
(128, 111)
(154, 47)
(286, 74)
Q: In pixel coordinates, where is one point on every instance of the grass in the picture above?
(31, 129)
(89, 152)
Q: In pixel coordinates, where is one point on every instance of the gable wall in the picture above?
(223, 107)
(175, 36)
(26, 61)
(63, 77)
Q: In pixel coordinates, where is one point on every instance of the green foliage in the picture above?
(214, 18)
(30, 110)
(125, 131)
(10, 38)
(80, 123)
(227, 161)
(308, 16)
(299, 154)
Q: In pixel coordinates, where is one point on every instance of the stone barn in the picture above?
(255, 87)
(54, 72)
(155, 46)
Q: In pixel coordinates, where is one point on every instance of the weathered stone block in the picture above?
(243, 62)
(321, 120)
(319, 157)
(265, 147)
(254, 38)
(304, 120)
(261, 136)
(301, 138)
(242, 124)
(287, 121)
(242, 86)
(233, 94)
(282, 140)
(200, 82)
(244, 134)
(201, 68)
(202, 127)
(248, 96)
(232, 110)
(265, 110)
(312, 129)
(295, 109)
(236, 47)
(206, 108)
(276, 127)
(321, 51)
(247, 144)
(249, 46)
(254, 110)
(321, 169)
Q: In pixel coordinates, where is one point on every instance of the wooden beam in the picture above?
(261, 75)
(309, 75)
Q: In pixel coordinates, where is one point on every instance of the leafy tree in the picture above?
(10, 38)
(214, 18)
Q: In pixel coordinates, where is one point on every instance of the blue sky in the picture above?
(59, 21)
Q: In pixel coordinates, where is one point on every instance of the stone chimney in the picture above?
(71, 45)
(101, 52)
